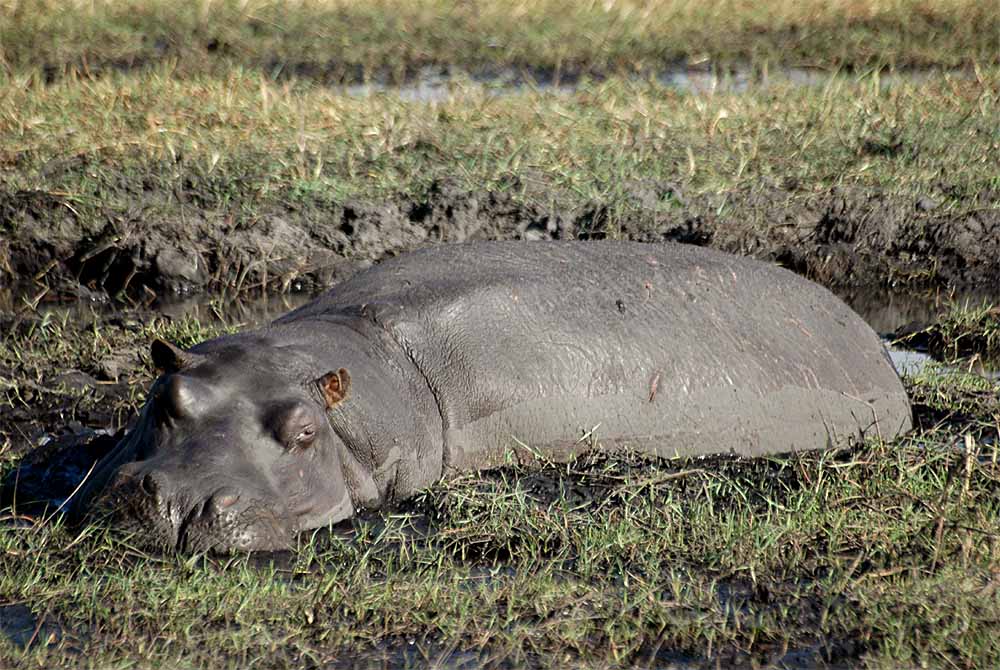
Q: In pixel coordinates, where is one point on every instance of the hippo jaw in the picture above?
(228, 456)
(139, 502)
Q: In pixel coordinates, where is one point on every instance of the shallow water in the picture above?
(886, 311)
(19, 624)
(908, 363)
(438, 84)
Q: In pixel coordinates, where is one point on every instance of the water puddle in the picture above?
(439, 84)
(909, 363)
(19, 624)
(52, 472)
(888, 311)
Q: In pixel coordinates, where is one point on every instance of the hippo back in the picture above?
(670, 349)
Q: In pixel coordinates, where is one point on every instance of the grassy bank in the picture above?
(897, 174)
(882, 555)
(970, 332)
(252, 140)
(340, 40)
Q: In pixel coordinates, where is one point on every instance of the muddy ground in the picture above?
(838, 236)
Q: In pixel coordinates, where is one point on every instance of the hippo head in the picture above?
(233, 450)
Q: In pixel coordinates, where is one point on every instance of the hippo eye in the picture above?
(305, 436)
(293, 425)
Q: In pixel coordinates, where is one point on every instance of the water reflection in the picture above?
(439, 84)
(23, 629)
(887, 311)
(909, 363)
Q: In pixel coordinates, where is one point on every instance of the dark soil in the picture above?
(839, 237)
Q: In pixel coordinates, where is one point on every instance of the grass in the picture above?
(242, 145)
(883, 555)
(965, 334)
(341, 40)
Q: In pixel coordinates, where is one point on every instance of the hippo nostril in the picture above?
(226, 500)
(222, 500)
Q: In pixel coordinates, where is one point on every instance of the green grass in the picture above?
(338, 39)
(966, 334)
(884, 555)
(972, 331)
(242, 145)
(893, 178)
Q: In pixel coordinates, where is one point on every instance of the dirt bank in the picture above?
(840, 237)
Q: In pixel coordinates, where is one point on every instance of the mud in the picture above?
(839, 237)
(41, 483)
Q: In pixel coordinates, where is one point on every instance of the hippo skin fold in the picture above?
(459, 357)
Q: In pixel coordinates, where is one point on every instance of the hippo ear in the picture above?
(333, 386)
(170, 358)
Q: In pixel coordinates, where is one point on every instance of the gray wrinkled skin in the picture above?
(457, 353)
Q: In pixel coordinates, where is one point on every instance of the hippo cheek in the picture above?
(316, 491)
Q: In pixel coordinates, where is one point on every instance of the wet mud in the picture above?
(840, 237)
(45, 479)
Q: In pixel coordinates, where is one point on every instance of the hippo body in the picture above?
(458, 357)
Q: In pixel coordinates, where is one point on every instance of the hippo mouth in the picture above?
(223, 522)
(210, 528)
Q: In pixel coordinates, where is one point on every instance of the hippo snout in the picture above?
(164, 511)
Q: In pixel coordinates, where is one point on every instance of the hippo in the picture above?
(461, 357)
